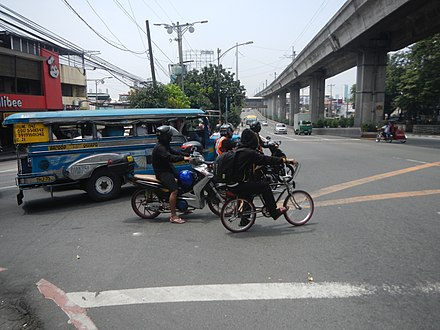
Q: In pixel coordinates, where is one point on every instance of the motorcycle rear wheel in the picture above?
(145, 203)
(214, 204)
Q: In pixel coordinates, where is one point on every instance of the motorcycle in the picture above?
(398, 135)
(196, 189)
(275, 173)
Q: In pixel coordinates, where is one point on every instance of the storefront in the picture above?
(31, 79)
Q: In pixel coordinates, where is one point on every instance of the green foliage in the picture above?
(353, 95)
(413, 80)
(319, 123)
(209, 89)
(159, 96)
(369, 127)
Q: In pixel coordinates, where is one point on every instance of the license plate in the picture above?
(36, 180)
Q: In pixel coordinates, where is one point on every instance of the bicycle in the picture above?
(239, 214)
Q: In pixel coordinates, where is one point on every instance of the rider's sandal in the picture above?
(177, 220)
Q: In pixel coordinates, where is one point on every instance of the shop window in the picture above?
(66, 90)
(28, 86)
(7, 85)
(28, 69)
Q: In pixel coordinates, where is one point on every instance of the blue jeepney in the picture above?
(94, 149)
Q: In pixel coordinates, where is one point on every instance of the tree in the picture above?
(159, 96)
(212, 84)
(353, 95)
(414, 78)
(394, 72)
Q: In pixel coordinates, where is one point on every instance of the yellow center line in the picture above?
(368, 198)
(350, 184)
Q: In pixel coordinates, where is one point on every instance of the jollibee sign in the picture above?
(6, 102)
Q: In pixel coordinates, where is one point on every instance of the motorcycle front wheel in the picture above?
(287, 171)
(145, 203)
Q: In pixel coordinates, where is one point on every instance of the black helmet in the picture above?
(226, 130)
(164, 133)
(255, 126)
(249, 139)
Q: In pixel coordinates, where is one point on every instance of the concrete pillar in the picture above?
(274, 106)
(317, 95)
(294, 102)
(282, 105)
(370, 86)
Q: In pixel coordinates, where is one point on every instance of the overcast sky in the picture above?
(275, 27)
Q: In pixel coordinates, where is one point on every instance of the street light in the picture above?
(101, 80)
(180, 29)
(236, 55)
(236, 65)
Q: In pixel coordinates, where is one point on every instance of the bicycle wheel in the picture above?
(145, 203)
(301, 207)
(238, 215)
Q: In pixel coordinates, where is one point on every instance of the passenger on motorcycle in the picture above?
(163, 157)
(225, 142)
(256, 128)
(247, 157)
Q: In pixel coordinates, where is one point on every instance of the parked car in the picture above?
(280, 129)
(263, 123)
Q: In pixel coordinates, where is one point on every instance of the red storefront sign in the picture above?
(51, 85)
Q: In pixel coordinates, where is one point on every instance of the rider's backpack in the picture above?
(224, 167)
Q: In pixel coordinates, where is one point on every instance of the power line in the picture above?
(97, 33)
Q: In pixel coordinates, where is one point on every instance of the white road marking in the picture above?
(7, 187)
(10, 170)
(246, 291)
(415, 161)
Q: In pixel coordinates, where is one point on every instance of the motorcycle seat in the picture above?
(146, 177)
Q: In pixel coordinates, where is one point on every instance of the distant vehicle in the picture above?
(302, 123)
(250, 119)
(263, 123)
(280, 129)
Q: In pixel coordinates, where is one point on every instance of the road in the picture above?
(368, 259)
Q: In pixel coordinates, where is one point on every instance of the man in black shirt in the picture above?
(163, 157)
(247, 157)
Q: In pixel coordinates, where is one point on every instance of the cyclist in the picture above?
(225, 142)
(163, 157)
(247, 157)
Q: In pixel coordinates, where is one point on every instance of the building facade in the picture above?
(37, 76)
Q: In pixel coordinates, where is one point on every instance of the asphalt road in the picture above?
(368, 259)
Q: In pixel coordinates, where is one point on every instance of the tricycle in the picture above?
(397, 134)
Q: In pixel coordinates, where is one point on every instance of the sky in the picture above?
(276, 28)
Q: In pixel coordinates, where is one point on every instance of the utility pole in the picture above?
(180, 29)
(150, 52)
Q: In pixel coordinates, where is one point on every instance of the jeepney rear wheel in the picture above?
(103, 185)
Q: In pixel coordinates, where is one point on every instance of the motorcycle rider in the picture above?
(163, 157)
(225, 142)
(247, 157)
(256, 128)
(387, 131)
